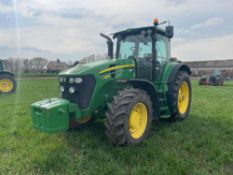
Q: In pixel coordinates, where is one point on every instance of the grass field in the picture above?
(203, 144)
(34, 75)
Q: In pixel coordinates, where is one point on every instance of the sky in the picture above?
(69, 30)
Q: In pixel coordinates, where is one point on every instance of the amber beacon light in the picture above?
(155, 21)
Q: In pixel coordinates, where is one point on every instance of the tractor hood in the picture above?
(89, 68)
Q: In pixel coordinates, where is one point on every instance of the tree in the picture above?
(39, 64)
(26, 65)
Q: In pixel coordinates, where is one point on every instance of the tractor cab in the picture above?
(148, 46)
(4, 66)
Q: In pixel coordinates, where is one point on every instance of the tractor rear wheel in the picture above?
(129, 117)
(7, 84)
(181, 96)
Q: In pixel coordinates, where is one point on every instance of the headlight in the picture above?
(71, 80)
(71, 90)
(64, 79)
(61, 79)
(62, 89)
(78, 80)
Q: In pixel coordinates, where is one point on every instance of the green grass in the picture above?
(35, 75)
(203, 144)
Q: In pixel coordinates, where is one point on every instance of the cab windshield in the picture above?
(135, 46)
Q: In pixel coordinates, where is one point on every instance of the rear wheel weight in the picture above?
(129, 117)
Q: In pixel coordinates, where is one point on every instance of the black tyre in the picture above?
(180, 96)
(129, 117)
(7, 84)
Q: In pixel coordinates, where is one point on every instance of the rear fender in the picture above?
(176, 68)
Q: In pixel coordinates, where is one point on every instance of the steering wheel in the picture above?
(148, 57)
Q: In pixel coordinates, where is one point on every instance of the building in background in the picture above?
(200, 68)
(56, 66)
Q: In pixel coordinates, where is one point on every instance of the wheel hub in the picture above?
(6, 85)
(135, 121)
(138, 120)
(183, 97)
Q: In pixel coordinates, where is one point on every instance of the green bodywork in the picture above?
(106, 86)
(53, 115)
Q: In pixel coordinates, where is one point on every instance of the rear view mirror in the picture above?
(169, 31)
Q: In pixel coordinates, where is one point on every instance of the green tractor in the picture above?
(140, 85)
(7, 80)
(216, 78)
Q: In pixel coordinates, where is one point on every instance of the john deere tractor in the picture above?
(139, 85)
(7, 80)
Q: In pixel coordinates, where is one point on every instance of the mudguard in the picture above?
(176, 68)
(149, 88)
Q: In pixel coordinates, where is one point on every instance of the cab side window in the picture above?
(162, 47)
(145, 50)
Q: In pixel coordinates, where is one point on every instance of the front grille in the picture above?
(83, 91)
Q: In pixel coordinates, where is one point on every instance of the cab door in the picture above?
(162, 55)
(139, 48)
(144, 61)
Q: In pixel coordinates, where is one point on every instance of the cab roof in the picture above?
(137, 30)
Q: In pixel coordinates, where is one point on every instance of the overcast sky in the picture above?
(70, 29)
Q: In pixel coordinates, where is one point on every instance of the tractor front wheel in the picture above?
(129, 117)
(181, 96)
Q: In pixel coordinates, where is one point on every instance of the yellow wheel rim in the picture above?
(84, 119)
(6, 85)
(138, 120)
(183, 97)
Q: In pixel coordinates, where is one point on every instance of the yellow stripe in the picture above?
(117, 67)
